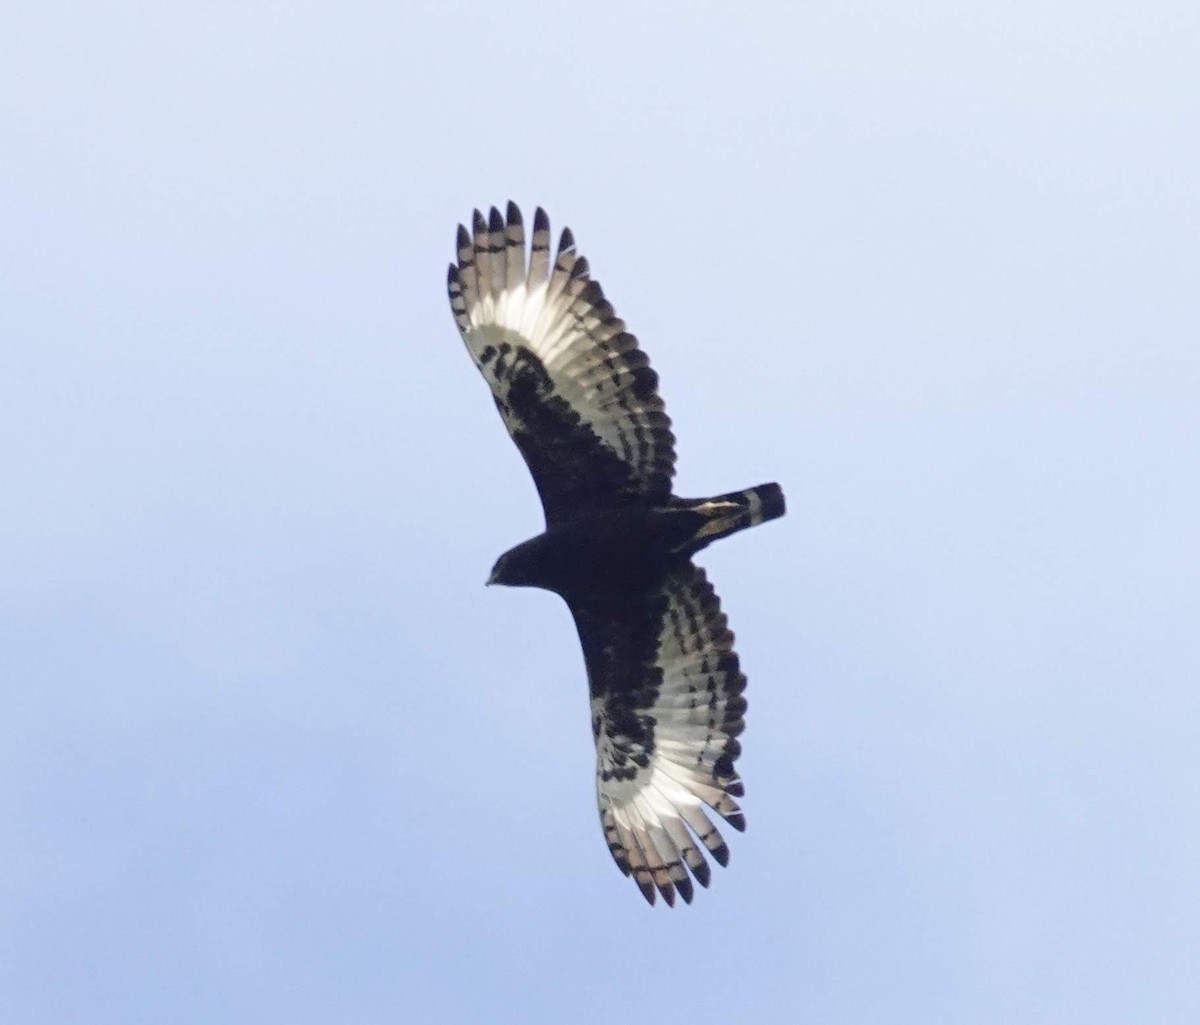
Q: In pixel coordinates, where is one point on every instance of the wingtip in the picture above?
(647, 888)
(684, 887)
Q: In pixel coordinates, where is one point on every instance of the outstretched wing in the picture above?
(667, 709)
(576, 394)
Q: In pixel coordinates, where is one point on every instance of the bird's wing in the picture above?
(667, 709)
(576, 393)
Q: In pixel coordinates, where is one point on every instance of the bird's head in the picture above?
(497, 576)
(518, 567)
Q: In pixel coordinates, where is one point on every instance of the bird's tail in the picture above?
(726, 514)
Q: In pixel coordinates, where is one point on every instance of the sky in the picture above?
(270, 751)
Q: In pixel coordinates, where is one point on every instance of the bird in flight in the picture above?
(581, 402)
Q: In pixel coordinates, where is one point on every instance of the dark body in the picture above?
(618, 550)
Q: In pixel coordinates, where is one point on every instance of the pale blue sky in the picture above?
(269, 750)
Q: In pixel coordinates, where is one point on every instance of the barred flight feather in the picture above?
(575, 392)
(684, 699)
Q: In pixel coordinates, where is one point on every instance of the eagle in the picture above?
(581, 403)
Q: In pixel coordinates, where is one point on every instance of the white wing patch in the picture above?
(654, 790)
(551, 321)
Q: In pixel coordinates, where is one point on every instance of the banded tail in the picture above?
(727, 514)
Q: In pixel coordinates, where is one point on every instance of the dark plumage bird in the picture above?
(581, 402)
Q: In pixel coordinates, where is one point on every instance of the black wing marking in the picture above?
(576, 393)
(667, 708)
